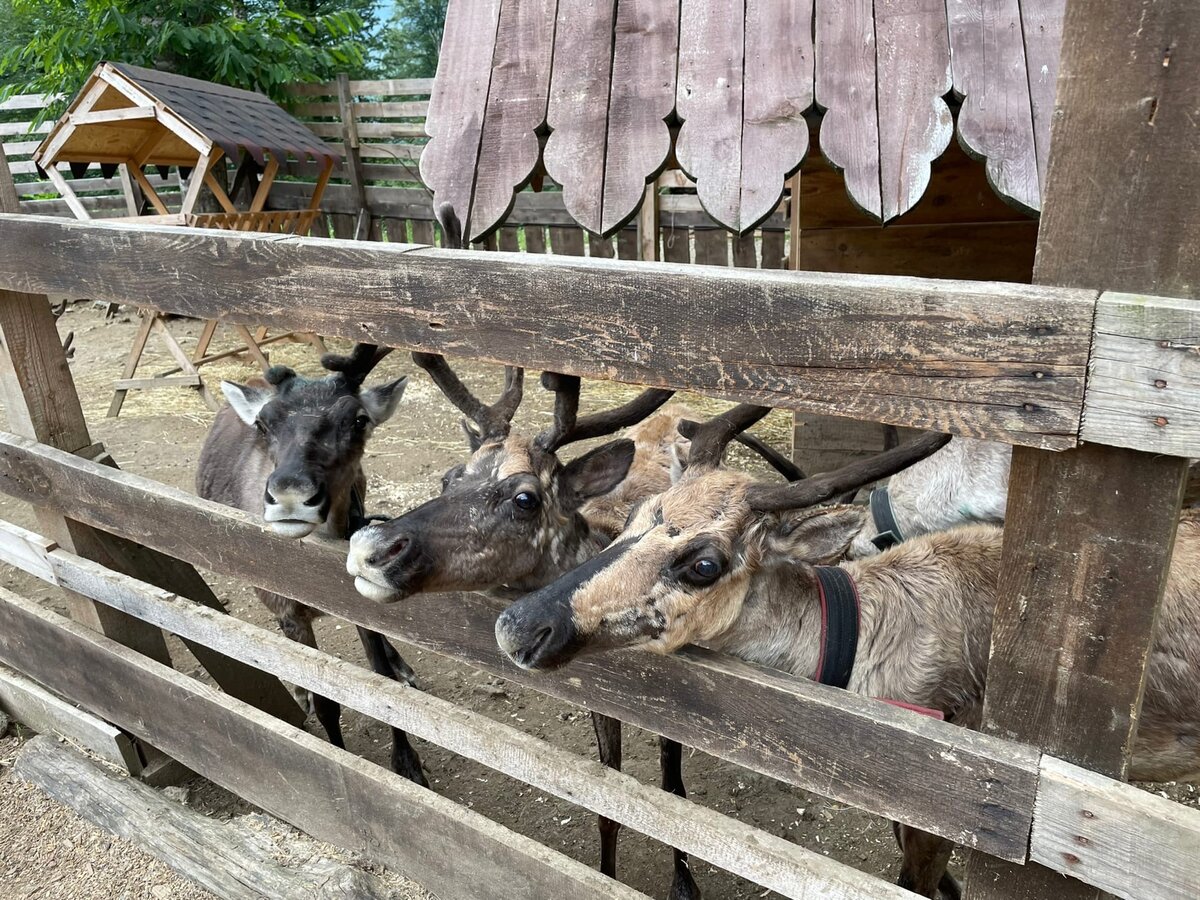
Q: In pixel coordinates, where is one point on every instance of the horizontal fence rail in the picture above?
(767, 860)
(996, 361)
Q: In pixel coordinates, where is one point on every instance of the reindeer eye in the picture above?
(527, 500)
(361, 423)
(705, 569)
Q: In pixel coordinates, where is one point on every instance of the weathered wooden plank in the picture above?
(393, 87)
(46, 713)
(1114, 836)
(217, 856)
(457, 104)
(579, 104)
(515, 111)
(708, 98)
(641, 98)
(1042, 29)
(845, 89)
(1144, 375)
(566, 241)
(331, 794)
(712, 247)
(745, 253)
(510, 239)
(765, 859)
(991, 251)
(913, 71)
(628, 246)
(966, 786)
(954, 356)
(1075, 549)
(535, 239)
(995, 122)
(601, 247)
(772, 250)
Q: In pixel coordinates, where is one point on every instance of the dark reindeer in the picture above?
(290, 449)
(513, 517)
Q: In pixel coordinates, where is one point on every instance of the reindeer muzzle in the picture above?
(538, 632)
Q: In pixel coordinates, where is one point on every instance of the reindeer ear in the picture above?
(818, 535)
(599, 471)
(678, 463)
(474, 434)
(245, 400)
(381, 401)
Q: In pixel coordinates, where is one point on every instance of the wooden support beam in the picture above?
(264, 186)
(926, 773)
(130, 191)
(218, 191)
(192, 192)
(135, 114)
(218, 856)
(1089, 533)
(999, 361)
(148, 189)
(67, 193)
(353, 160)
(648, 225)
(329, 793)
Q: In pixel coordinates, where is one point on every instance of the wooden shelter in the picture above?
(129, 118)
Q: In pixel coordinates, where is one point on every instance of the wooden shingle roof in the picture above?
(725, 87)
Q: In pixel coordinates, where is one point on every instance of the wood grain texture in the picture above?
(1042, 30)
(1122, 839)
(220, 857)
(641, 98)
(995, 122)
(1144, 375)
(918, 353)
(913, 70)
(579, 103)
(329, 793)
(745, 82)
(458, 103)
(48, 714)
(845, 88)
(516, 109)
(963, 785)
(763, 858)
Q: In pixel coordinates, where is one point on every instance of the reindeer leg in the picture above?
(402, 669)
(670, 759)
(298, 627)
(608, 740)
(404, 758)
(925, 859)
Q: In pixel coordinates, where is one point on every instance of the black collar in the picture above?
(885, 520)
(839, 625)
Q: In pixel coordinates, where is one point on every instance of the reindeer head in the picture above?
(510, 516)
(314, 430)
(685, 564)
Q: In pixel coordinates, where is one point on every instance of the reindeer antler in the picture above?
(819, 488)
(710, 439)
(774, 458)
(493, 421)
(567, 428)
(358, 365)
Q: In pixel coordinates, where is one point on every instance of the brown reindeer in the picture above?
(290, 449)
(744, 566)
(513, 517)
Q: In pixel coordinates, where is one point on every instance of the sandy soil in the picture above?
(159, 435)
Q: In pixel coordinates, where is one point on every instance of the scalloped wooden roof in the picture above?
(619, 86)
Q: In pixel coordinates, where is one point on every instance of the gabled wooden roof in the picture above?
(724, 86)
(129, 114)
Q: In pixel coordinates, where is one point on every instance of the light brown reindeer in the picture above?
(290, 449)
(738, 565)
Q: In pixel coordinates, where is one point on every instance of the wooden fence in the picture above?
(1044, 368)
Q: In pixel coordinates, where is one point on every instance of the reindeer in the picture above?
(290, 448)
(513, 517)
(750, 568)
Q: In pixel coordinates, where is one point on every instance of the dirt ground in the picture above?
(159, 434)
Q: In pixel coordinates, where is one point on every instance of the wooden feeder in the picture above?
(128, 118)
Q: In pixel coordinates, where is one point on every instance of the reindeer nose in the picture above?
(534, 637)
(317, 497)
(398, 547)
(295, 492)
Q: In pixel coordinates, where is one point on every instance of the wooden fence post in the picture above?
(42, 403)
(648, 224)
(1090, 531)
(354, 169)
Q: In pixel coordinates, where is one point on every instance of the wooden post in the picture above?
(794, 223)
(42, 403)
(1089, 532)
(648, 225)
(354, 170)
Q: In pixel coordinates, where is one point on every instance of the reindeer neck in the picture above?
(570, 547)
(924, 627)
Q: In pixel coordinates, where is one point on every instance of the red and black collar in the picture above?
(839, 625)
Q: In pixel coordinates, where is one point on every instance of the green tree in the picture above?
(413, 38)
(257, 44)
